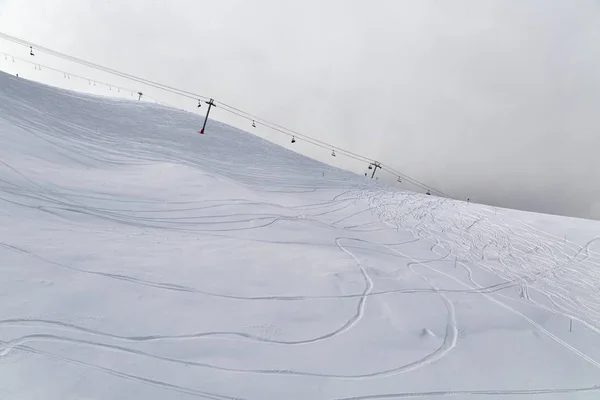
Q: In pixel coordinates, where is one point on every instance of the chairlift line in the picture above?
(155, 84)
(224, 106)
(387, 169)
(100, 67)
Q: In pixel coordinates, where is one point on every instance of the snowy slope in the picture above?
(141, 260)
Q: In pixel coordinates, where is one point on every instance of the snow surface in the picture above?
(141, 260)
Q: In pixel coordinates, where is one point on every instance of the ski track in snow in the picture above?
(449, 342)
(521, 256)
(472, 393)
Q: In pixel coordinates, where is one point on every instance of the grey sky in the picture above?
(492, 100)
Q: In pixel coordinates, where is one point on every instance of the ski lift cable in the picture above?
(415, 181)
(162, 87)
(305, 138)
(81, 77)
(341, 151)
(293, 132)
(224, 106)
(315, 143)
(282, 131)
(65, 73)
(310, 140)
(100, 67)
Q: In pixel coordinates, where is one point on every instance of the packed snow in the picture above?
(141, 260)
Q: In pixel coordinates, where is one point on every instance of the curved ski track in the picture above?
(474, 238)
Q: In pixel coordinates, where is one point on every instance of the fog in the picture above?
(492, 100)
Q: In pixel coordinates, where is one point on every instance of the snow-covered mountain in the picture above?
(141, 260)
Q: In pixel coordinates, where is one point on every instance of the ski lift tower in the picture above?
(374, 165)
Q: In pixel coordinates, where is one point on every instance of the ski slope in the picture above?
(141, 260)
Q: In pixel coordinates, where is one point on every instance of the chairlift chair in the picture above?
(293, 139)
(253, 124)
(333, 153)
(31, 51)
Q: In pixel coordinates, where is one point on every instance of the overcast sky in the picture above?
(498, 101)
